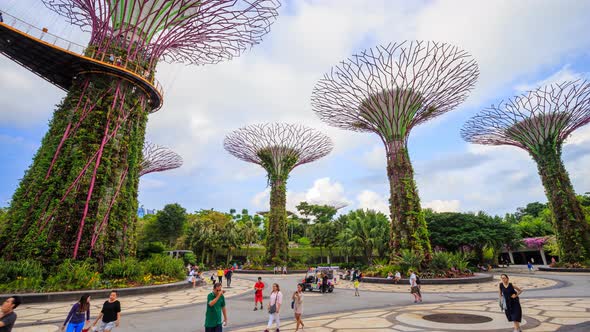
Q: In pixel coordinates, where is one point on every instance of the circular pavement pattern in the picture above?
(457, 318)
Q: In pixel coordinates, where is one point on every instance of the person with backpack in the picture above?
(415, 286)
(228, 275)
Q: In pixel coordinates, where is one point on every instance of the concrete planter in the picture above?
(98, 293)
(268, 272)
(477, 278)
(563, 269)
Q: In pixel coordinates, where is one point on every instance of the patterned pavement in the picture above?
(526, 282)
(57, 311)
(539, 315)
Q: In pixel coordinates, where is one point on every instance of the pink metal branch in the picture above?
(191, 31)
(158, 158)
(281, 139)
(548, 114)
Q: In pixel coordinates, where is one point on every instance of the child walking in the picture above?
(356, 288)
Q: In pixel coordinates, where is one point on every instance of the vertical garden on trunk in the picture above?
(388, 90)
(539, 121)
(278, 148)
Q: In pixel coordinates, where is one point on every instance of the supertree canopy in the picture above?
(388, 90)
(539, 122)
(158, 159)
(278, 148)
(79, 196)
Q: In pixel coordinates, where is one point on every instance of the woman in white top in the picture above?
(298, 306)
(275, 303)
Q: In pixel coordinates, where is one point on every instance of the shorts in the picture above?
(217, 328)
(415, 290)
(258, 297)
(105, 326)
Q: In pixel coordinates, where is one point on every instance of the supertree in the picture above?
(278, 148)
(79, 196)
(388, 90)
(539, 121)
(157, 158)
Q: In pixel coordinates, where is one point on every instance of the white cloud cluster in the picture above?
(323, 191)
(513, 42)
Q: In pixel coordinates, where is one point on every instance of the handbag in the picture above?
(293, 304)
(502, 303)
(272, 309)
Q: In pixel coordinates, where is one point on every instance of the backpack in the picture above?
(417, 280)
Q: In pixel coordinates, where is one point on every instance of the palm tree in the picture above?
(365, 229)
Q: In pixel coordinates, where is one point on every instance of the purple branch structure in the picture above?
(158, 159)
(388, 90)
(278, 148)
(88, 166)
(539, 122)
(189, 31)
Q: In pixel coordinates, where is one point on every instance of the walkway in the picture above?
(551, 301)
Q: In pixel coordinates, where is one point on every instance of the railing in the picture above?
(44, 35)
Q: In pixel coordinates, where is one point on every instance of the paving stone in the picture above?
(359, 323)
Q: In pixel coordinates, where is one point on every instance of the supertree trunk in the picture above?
(80, 192)
(572, 229)
(408, 227)
(277, 239)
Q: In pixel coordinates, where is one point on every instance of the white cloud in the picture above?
(562, 75)
(438, 205)
(323, 191)
(368, 199)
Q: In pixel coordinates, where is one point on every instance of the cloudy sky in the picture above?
(518, 45)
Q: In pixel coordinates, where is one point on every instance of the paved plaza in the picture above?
(551, 302)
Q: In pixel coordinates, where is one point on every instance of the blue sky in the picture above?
(518, 45)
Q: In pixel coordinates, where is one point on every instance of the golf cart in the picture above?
(313, 279)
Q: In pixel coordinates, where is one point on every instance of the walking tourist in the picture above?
(110, 315)
(510, 302)
(219, 275)
(324, 282)
(75, 321)
(215, 307)
(414, 287)
(274, 308)
(258, 288)
(298, 307)
(228, 276)
(356, 285)
(8, 316)
(530, 266)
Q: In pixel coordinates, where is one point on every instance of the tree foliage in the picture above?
(453, 231)
(170, 222)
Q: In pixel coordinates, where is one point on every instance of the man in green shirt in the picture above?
(215, 306)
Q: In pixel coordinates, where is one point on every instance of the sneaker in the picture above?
(255, 308)
(277, 330)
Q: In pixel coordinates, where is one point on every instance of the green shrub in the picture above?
(441, 262)
(10, 270)
(382, 271)
(20, 276)
(152, 248)
(408, 259)
(164, 265)
(129, 269)
(73, 275)
(189, 258)
(304, 241)
(460, 261)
